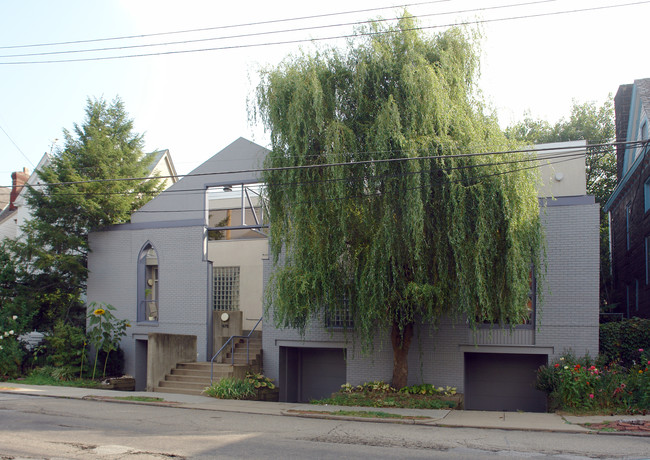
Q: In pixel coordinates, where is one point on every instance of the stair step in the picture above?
(186, 385)
(178, 390)
(188, 379)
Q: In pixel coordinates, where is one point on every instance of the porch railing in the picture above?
(231, 341)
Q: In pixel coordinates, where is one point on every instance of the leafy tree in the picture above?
(78, 197)
(394, 243)
(595, 124)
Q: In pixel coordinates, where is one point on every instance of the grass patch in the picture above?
(361, 413)
(139, 398)
(384, 399)
(36, 378)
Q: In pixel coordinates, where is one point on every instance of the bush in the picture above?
(66, 351)
(231, 388)
(11, 349)
(581, 385)
(259, 381)
(115, 363)
(620, 341)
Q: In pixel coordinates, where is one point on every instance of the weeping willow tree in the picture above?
(388, 238)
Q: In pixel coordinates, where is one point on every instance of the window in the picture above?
(636, 295)
(647, 260)
(627, 225)
(148, 284)
(646, 195)
(226, 288)
(340, 318)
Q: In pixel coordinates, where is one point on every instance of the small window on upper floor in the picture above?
(628, 212)
(148, 284)
(646, 195)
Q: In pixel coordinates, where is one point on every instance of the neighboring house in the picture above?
(14, 216)
(189, 255)
(494, 368)
(8, 208)
(199, 250)
(629, 205)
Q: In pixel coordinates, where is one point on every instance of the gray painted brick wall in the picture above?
(566, 320)
(183, 282)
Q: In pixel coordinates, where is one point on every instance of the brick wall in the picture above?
(567, 318)
(183, 282)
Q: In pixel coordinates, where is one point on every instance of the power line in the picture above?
(16, 145)
(273, 32)
(569, 152)
(337, 37)
(351, 163)
(476, 181)
(231, 26)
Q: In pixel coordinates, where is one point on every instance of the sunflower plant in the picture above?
(104, 331)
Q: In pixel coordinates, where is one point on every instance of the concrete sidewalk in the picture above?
(523, 421)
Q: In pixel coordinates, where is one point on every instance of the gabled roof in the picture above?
(185, 200)
(5, 193)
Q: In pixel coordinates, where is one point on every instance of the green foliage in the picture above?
(620, 341)
(259, 381)
(595, 125)
(399, 242)
(428, 389)
(104, 331)
(48, 375)
(76, 200)
(11, 350)
(232, 388)
(381, 394)
(114, 362)
(66, 351)
(582, 385)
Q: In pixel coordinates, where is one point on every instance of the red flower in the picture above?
(557, 365)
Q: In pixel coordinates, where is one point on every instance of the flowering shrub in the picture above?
(11, 350)
(428, 389)
(582, 385)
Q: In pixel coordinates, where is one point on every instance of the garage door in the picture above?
(310, 373)
(503, 382)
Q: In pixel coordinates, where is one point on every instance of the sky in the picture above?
(534, 61)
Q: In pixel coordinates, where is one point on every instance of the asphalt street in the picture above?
(44, 427)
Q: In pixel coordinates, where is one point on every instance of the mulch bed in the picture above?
(641, 426)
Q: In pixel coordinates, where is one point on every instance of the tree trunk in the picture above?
(401, 341)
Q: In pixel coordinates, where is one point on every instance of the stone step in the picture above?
(178, 390)
(189, 379)
(186, 385)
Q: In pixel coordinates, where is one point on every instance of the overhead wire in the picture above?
(273, 32)
(551, 159)
(230, 26)
(361, 162)
(316, 39)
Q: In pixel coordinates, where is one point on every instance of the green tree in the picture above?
(595, 124)
(79, 196)
(393, 244)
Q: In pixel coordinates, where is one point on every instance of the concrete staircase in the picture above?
(193, 378)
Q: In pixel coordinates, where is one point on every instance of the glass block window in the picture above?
(340, 319)
(226, 288)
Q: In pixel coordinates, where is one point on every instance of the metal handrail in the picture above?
(232, 348)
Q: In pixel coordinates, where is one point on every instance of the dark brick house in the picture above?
(629, 205)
